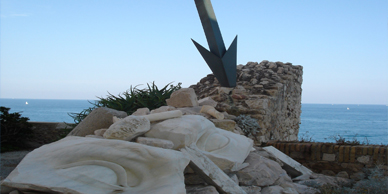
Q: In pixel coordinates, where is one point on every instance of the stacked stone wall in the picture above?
(333, 159)
(267, 91)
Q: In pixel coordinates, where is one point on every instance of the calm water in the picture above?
(46, 110)
(321, 121)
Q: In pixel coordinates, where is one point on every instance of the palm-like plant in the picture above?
(129, 101)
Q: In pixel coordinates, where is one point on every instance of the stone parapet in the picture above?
(47, 132)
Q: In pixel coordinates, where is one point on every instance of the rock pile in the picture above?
(268, 91)
(170, 150)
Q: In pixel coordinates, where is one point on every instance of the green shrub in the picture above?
(14, 130)
(306, 137)
(132, 99)
(340, 140)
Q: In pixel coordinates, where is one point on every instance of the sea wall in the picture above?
(267, 91)
(47, 132)
(335, 159)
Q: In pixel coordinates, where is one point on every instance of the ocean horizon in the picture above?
(319, 122)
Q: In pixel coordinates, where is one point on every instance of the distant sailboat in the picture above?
(26, 103)
(348, 108)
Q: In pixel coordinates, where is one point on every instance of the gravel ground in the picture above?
(9, 160)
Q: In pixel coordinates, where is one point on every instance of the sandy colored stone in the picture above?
(141, 112)
(363, 159)
(225, 124)
(163, 109)
(128, 128)
(99, 118)
(328, 157)
(163, 115)
(207, 101)
(212, 111)
(184, 97)
(99, 132)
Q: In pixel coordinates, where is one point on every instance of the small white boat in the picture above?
(26, 102)
(348, 108)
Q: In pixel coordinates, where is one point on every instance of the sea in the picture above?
(319, 122)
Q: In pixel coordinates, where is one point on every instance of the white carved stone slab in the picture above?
(228, 150)
(210, 172)
(162, 143)
(99, 166)
(289, 161)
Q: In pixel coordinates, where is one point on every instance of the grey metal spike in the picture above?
(222, 62)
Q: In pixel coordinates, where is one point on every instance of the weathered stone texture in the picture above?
(184, 97)
(268, 91)
(99, 118)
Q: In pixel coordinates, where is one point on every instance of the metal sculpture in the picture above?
(222, 62)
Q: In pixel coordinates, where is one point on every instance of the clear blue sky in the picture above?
(80, 49)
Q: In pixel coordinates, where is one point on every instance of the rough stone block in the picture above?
(347, 154)
(163, 109)
(128, 128)
(257, 103)
(260, 172)
(272, 190)
(330, 149)
(343, 174)
(201, 190)
(99, 118)
(303, 189)
(225, 124)
(99, 132)
(341, 154)
(328, 172)
(251, 189)
(352, 154)
(328, 157)
(207, 101)
(357, 176)
(375, 153)
(364, 150)
(210, 172)
(184, 97)
(141, 112)
(359, 150)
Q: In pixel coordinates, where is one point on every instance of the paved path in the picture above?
(9, 160)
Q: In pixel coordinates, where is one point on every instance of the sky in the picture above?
(83, 49)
